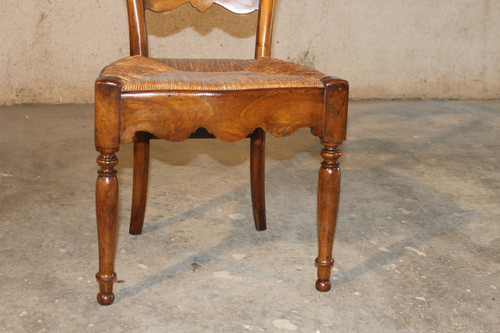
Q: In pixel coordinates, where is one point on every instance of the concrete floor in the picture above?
(417, 246)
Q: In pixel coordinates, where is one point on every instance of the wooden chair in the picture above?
(138, 98)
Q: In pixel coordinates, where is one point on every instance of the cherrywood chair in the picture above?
(138, 98)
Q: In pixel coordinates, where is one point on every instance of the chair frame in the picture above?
(110, 132)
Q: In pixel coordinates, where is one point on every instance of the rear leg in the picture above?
(257, 177)
(140, 182)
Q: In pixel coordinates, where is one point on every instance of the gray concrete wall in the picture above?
(52, 50)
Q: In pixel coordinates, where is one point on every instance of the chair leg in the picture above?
(106, 210)
(328, 202)
(257, 177)
(140, 182)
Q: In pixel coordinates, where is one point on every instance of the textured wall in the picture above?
(52, 50)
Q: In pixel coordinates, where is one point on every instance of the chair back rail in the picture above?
(236, 6)
(137, 20)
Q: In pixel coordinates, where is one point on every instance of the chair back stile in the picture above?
(138, 30)
(264, 29)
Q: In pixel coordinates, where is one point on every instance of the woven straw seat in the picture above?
(140, 73)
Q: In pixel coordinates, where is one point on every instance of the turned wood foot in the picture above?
(105, 295)
(257, 177)
(105, 299)
(106, 209)
(328, 201)
(140, 182)
(324, 270)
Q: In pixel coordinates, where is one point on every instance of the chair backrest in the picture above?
(137, 21)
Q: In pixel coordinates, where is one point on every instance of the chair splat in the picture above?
(235, 6)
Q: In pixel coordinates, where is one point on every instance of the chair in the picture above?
(138, 98)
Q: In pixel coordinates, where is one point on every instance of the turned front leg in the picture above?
(334, 133)
(328, 203)
(106, 209)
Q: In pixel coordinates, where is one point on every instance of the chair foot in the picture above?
(323, 285)
(324, 271)
(105, 299)
(259, 216)
(105, 295)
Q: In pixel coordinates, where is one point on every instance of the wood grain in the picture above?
(107, 114)
(229, 115)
